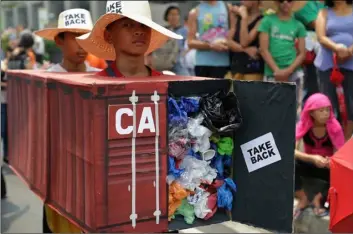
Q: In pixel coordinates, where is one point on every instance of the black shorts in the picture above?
(307, 170)
(211, 72)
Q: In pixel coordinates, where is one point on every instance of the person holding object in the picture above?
(71, 23)
(126, 36)
(278, 35)
(322, 135)
(209, 24)
(334, 29)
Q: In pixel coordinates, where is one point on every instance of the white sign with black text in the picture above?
(260, 152)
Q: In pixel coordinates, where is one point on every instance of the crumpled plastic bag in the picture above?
(199, 201)
(196, 172)
(221, 112)
(172, 169)
(199, 133)
(225, 194)
(186, 210)
(225, 146)
(176, 116)
(190, 104)
(179, 142)
(178, 110)
(217, 163)
(212, 205)
(176, 194)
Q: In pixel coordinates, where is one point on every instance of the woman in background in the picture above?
(334, 29)
(246, 62)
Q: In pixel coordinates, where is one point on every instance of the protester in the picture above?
(168, 57)
(322, 135)
(246, 63)
(74, 58)
(334, 28)
(126, 41)
(278, 34)
(209, 24)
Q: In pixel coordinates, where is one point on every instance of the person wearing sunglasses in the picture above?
(278, 35)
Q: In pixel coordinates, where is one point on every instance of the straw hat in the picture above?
(73, 20)
(297, 5)
(139, 11)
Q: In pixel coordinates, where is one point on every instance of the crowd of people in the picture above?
(305, 42)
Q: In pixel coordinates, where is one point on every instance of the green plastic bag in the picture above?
(186, 210)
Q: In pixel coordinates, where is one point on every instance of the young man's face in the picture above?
(285, 6)
(128, 36)
(71, 50)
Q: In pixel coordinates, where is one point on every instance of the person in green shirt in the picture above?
(278, 35)
(308, 13)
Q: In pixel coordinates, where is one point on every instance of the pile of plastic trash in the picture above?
(200, 155)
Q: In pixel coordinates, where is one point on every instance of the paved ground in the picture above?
(22, 210)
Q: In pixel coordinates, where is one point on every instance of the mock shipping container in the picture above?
(92, 180)
(28, 125)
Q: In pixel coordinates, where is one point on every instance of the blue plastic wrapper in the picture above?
(190, 104)
(192, 153)
(227, 160)
(217, 163)
(172, 170)
(225, 194)
(177, 117)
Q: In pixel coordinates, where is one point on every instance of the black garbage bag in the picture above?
(221, 112)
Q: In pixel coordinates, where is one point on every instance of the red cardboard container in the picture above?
(28, 129)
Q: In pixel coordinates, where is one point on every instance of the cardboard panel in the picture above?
(265, 195)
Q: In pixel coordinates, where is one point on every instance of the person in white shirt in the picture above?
(71, 24)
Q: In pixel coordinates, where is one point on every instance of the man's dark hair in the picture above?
(61, 35)
(331, 3)
(169, 9)
(26, 41)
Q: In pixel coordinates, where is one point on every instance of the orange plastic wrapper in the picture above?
(176, 195)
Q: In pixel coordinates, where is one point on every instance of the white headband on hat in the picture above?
(73, 20)
(139, 11)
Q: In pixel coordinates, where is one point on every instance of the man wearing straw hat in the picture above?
(125, 34)
(71, 23)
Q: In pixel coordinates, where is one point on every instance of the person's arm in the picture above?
(233, 45)
(301, 49)
(264, 40)
(193, 42)
(301, 155)
(247, 37)
(265, 53)
(321, 32)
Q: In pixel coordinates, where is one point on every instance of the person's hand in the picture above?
(243, 12)
(253, 52)
(282, 74)
(343, 54)
(235, 9)
(320, 161)
(219, 45)
(16, 51)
